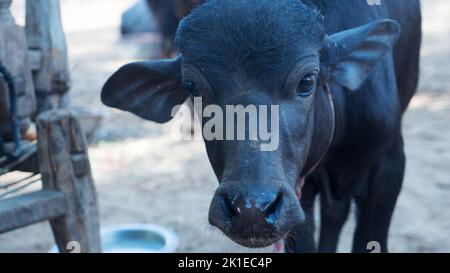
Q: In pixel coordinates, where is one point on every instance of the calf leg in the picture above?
(375, 209)
(333, 213)
(333, 217)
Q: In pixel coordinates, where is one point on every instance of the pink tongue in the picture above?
(299, 186)
(278, 247)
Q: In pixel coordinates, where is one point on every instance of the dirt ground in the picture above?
(143, 175)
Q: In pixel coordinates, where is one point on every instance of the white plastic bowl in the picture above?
(136, 238)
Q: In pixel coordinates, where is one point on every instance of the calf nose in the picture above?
(251, 210)
(264, 214)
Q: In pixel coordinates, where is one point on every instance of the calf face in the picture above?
(261, 53)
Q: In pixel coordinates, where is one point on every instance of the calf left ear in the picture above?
(352, 54)
(149, 90)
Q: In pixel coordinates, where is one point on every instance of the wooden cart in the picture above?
(39, 134)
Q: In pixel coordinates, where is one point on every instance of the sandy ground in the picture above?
(143, 175)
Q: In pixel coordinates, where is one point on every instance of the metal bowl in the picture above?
(136, 238)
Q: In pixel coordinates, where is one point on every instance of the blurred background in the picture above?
(143, 175)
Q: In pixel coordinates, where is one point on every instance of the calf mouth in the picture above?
(258, 242)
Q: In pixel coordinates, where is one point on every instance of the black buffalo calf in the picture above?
(342, 74)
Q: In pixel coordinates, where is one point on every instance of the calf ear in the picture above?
(147, 89)
(354, 53)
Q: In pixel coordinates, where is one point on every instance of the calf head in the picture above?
(261, 53)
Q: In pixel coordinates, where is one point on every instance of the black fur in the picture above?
(256, 52)
(252, 41)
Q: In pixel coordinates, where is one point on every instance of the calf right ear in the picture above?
(353, 54)
(149, 90)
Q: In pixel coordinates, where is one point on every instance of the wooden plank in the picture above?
(64, 166)
(14, 56)
(80, 164)
(45, 33)
(31, 208)
(35, 59)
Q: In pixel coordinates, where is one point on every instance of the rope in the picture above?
(9, 167)
(333, 128)
(20, 153)
(19, 185)
(10, 184)
(12, 110)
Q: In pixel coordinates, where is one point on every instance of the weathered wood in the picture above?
(45, 33)
(14, 57)
(89, 120)
(68, 199)
(64, 166)
(4, 100)
(80, 163)
(31, 208)
(35, 59)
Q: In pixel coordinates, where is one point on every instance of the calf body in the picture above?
(366, 160)
(168, 14)
(333, 69)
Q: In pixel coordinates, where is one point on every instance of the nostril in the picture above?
(273, 207)
(229, 207)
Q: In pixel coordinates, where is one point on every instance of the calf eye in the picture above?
(192, 88)
(306, 85)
